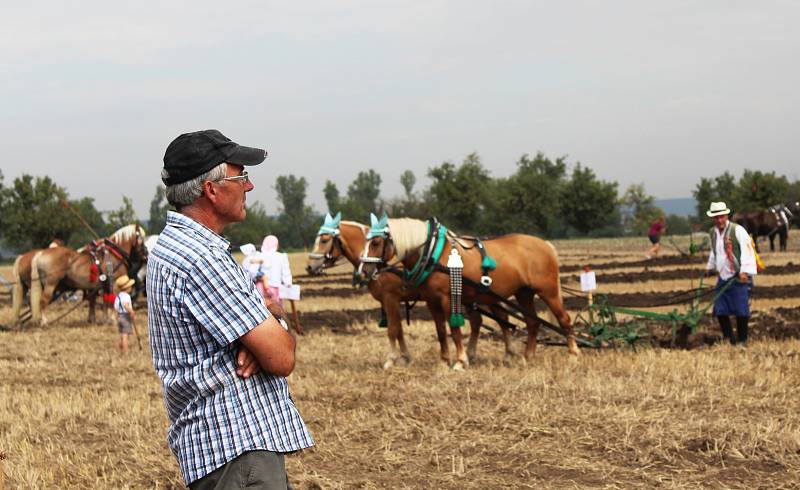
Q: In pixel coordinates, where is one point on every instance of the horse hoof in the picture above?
(389, 364)
(458, 366)
(402, 361)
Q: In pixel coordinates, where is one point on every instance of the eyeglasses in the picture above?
(244, 178)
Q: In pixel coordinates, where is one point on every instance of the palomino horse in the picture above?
(22, 277)
(88, 269)
(346, 239)
(523, 266)
(771, 222)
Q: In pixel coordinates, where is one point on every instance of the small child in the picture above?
(123, 307)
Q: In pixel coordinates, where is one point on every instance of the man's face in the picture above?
(720, 221)
(231, 202)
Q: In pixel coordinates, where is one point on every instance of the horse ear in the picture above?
(327, 219)
(338, 218)
(373, 220)
(385, 217)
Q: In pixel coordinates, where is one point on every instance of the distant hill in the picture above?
(682, 206)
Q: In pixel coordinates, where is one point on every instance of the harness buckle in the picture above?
(486, 281)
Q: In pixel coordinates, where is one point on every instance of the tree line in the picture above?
(546, 197)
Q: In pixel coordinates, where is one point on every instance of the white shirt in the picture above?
(123, 299)
(719, 260)
(273, 265)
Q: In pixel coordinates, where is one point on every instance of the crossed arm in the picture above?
(267, 347)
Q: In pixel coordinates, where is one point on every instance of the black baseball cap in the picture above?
(193, 154)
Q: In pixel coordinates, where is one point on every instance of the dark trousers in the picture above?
(727, 330)
(252, 469)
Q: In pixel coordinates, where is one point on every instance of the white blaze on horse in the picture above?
(90, 268)
(512, 265)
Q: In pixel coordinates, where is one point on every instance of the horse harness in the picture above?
(783, 217)
(428, 262)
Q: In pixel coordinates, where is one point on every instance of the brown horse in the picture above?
(87, 269)
(771, 222)
(525, 266)
(346, 239)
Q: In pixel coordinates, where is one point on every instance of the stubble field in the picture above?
(75, 414)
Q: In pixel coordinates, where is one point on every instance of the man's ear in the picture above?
(210, 191)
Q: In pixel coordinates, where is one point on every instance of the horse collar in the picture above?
(433, 246)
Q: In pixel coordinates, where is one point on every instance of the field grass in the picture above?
(75, 414)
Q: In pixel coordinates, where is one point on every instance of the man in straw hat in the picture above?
(733, 257)
(221, 354)
(123, 308)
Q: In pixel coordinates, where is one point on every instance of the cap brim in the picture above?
(244, 155)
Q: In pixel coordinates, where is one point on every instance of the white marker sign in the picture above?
(290, 292)
(588, 281)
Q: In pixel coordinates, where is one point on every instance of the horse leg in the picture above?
(553, 301)
(92, 299)
(475, 321)
(525, 298)
(441, 331)
(508, 337)
(47, 294)
(461, 354)
(396, 355)
(784, 236)
(772, 242)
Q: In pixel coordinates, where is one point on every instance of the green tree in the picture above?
(256, 225)
(639, 211)
(3, 197)
(407, 180)
(297, 220)
(94, 218)
(457, 195)
(759, 190)
(332, 197)
(33, 215)
(158, 211)
(362, 196)
(531, 203)
(409, 205)
(708, 190)
(588, 204)
(122, 216)
(678, 225)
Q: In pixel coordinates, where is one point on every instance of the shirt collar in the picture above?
(179, 220)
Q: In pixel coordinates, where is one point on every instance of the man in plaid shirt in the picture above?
(221, 355)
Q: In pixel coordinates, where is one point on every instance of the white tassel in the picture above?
(454, 260)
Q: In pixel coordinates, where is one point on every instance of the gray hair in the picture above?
(186, 193)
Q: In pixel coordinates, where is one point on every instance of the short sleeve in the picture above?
(222, 298)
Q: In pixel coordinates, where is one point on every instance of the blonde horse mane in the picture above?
(126, 233)
(408, 234)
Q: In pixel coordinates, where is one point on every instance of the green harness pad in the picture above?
(437, 252)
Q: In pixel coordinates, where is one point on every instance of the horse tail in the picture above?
(549, 316)
(36, 289)
(18, 291)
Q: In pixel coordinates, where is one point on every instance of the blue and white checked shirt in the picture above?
(200, 302)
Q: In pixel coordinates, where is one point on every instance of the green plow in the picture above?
(605, 330)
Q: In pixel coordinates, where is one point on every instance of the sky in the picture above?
(658, 93)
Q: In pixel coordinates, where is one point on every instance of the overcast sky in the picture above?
(655, 92)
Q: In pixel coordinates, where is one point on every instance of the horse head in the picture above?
(378, 249)
(130, 241)
(327, 246)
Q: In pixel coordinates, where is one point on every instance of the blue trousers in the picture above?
(736, 299)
